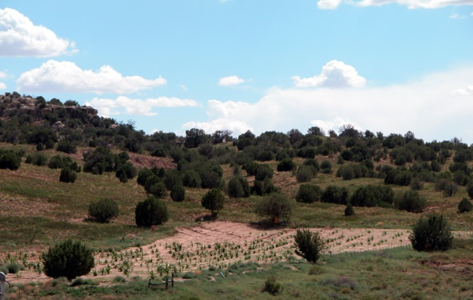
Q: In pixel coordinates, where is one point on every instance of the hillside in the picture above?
(376, 173)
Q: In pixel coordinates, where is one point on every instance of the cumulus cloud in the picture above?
(20, 37)
(335, 74)
(426, 107)
(230, 80)
(67, 77)
(328, 4)
(412, 4)
(110, 107)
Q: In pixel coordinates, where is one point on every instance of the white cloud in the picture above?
(20, 37)
(183, 87)
(464, 92)
(67, 77)
(328, 4)
(456, 16)
(426, 107)
(110, 107)
(333, 124)
(335, 74)
(230, 80)
(3, 75)
(412, 4)
(3, 86)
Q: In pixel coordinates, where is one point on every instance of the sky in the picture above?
(269, 65)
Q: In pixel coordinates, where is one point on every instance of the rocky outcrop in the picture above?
(15, 104)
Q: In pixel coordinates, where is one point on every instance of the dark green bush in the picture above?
(264, 171)
(172, 178)
(213, 200)
(372, 195)
(465, 206)
(349, 211)
(56, 162)
(66, 147)
(410, 201)
(191, 178)
(98, 161)
(286, 165)
(450, 189)
(104, 210)
(417, 184)
(469, 190)
(326, 167)
(151, 212)
(304, 174)
(274, 205)
(178, 193)
(403, 178)
(9, 160)
(309, 193)
(314, 164)
(150, 181)
(143, 175)
(68, 259)
(13, 268)
(127, 171)
(431, 233)
(158, 190)
(67, 175)
(335, 194)
(308, 244)
(271, 286)
(238, 187)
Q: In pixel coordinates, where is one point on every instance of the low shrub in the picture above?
(67, 175)
(308, 244)
(410, 201)
(68, 259)
(178, 193)
(274, 205)
(304, 174)
(272, 286)
(335, 194)
(151, 212)
(349, 211)
(465, 206)
(286, 165)
(308, 193)
(104, 210)
(431, 233)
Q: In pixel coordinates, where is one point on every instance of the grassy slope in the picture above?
(38, 209)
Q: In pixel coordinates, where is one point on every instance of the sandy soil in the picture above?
(221, 243)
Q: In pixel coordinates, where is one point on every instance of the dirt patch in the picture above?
(145, 161)
(219, 244)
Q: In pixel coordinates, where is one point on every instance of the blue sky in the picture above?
(382, 65)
